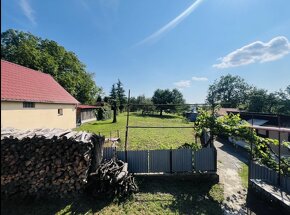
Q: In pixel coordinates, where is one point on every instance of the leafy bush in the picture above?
(232, 126)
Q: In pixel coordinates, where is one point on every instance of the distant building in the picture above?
(32, 99)
(268, 126)
(225, 111)
(192, 115)
(267, 121)
(86, 113)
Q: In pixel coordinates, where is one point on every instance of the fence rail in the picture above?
(167, 160)
(205, 159)
(258, 171)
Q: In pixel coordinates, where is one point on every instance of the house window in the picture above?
(28, 105)
(60, 111)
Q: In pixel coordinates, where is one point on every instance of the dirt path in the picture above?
(229, 163)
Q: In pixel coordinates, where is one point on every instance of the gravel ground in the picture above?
(229, 164)
(237, 199)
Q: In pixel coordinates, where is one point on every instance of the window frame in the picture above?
(60, 111)
(28, 105)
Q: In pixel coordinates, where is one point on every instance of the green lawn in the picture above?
(149, 138)
(244, 174)
(156, 196)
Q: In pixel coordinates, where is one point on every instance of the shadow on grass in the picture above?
(102, 123)
(156, 194)
(188, 196)
(48, 206)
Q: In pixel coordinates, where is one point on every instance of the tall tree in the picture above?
(121, 98)
(113, 102)
(49, 57)
(229, 91)
(164, 99)
(283, 104)
(258, 100)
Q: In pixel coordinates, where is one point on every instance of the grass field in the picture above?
(156, 196)
(244, 174)
(141, 138)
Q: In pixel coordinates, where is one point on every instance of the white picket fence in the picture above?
(166, 161)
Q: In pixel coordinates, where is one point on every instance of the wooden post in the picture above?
(211, 133)
(127, 127)
(170, 159)
(251, 141)
(97, 154)
(279, 152)
(251, 155)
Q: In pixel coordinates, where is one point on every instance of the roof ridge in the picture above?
(27, 68)
(22, 83)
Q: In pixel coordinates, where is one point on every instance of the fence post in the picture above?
(127, 127)
(251, 155)
(97, 152)
(279, 153)
(215, 159)
(170, 158)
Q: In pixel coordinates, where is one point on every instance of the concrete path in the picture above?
(229, 164)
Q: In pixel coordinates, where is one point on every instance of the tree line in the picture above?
(64, 66)
(233, 92)
(49, 57)
(169, 101)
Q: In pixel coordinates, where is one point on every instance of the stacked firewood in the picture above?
(47, 161)
(112, 180)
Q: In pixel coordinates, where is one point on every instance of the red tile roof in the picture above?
(86, 107)
(19, 83)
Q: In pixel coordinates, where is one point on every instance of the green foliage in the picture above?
(233, 91)
(168, 97)
(143, 104)
(232, 126)
(99, 99)
(258, 101)
(194, 146)
(229, 91)
(120, 93)
(113, 93)
(113, 102)
(104, 113)
(51, 58)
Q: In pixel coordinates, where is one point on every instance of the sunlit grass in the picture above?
(145, 138)
(157, 196)
(243, 173)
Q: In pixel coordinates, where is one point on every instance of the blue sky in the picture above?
(166, 43)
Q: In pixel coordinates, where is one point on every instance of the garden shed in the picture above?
(86, 113)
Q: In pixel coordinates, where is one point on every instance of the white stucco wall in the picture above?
(44, 115)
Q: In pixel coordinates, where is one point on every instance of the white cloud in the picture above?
(182, 84)
(28, 11)
(172, 24)
(199, 78)
(257, 51)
